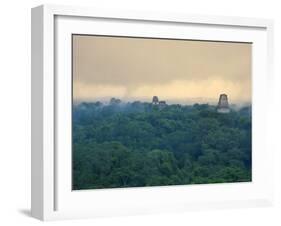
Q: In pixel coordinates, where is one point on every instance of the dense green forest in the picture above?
(139, 144)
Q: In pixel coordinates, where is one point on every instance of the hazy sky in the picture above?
(174, 70)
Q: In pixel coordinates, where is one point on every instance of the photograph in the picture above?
(150, 111)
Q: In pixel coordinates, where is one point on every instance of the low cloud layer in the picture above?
(134, 68)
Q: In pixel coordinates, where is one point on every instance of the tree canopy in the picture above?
(140, 144)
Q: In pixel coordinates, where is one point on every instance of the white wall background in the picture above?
(15, 112)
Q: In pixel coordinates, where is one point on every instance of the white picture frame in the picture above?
(52, 197)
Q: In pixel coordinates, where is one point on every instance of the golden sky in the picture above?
(174, 70)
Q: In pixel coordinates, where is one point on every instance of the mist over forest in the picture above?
(134, 144)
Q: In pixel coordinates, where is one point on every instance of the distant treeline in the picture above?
(139, 144)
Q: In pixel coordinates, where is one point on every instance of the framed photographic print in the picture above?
(137, 112)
